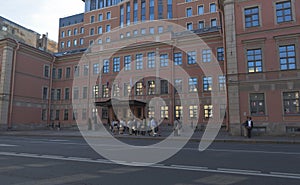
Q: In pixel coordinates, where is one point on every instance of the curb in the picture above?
(219, 140)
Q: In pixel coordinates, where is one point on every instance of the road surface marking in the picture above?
(7, 145)
(61, 180)
(238, 170)
(174, 167)
(285, 174)
(253, 151)
(58, 140)
(10, 168)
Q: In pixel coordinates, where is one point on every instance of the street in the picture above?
(26, 160)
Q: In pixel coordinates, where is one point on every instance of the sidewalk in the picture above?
(222, 136)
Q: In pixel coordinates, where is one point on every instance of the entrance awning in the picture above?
(118, 102)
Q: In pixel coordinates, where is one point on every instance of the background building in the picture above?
(255, 44)
(9, 29)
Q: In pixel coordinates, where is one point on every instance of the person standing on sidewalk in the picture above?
(249, 126)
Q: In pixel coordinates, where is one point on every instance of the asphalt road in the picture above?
(71, 161)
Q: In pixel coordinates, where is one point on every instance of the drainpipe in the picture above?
(12, 87)
(50, 90)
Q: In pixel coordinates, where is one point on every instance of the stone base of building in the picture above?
(270, 129)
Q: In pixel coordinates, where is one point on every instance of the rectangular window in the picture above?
(128, 13)
(143, 10)
(189, 26)
(46, 71)
(92, 19)
(207, 83)
(151, 87)
(191, 57)
(96, 69)
(127, 63)
(100, 31)
(254, 60)
(291, 102)
(100, 17)
(201, 25)
(116, 90)
(151, 60)
(67, 93)
(193, 83)
(139, 61)
(177, 59)
(284, 11)
(151, 112)
(164, 112)
(82, 30)
(206, 55)
(96, 91)
(105, 91)
(139, 88)
(213, 23)
(164, 60)
(170, 9)
(178, 111)
(58, 94)
(45, 93)
(44, 114)
(75, 93)
(220, 54)
(151, 10)
(108, 15)
(257, 104)
(76, 71)
(66, 114)
(160, 29)
(85, 70)
(68, 72)
(160, 8)
(127, 89)
(135, 11)
(212, 8)
(151, 30)
(287, 56)
(59, 73)
(121, 16)
(57, 113)
(105, 66)
(84, 92)
(92, 31)
(251, 17)
(193, 111)
(81, 41)
(164, 87)
(108, 28)
(208, 111)
(116, 67)
(189, 12)
(200, 10)
(178, 85)
(222, 83)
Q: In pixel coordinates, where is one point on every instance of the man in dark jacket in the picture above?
(249, 126)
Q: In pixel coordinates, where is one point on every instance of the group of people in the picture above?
(135, 127)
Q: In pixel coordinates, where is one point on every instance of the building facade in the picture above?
(263, 64)
(148, 43)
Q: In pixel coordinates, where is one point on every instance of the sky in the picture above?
(41, 16)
